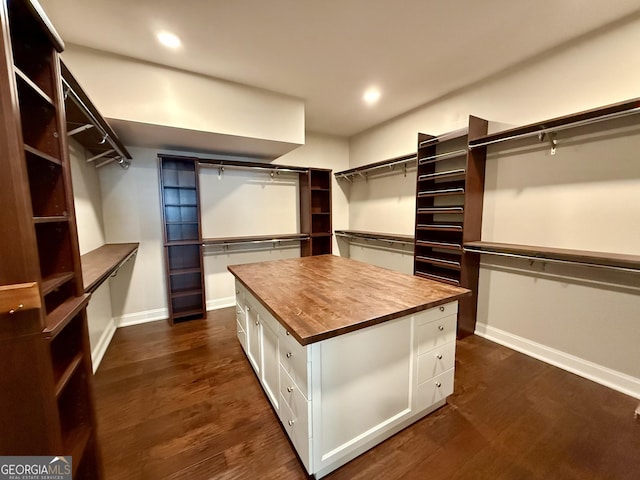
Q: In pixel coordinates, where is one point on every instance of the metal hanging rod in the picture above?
(78, 101)
(551, 260)
(273, 169)
(253, 241)
(566, 126)
(360, 171)
(372, 237)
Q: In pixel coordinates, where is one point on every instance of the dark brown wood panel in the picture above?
(99, 264)
(183, 403)
(583, 256)
(321, 297)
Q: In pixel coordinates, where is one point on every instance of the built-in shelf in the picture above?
(31, 84)
(50, 283)
(377, 236)
(389, 164)
(615, 261)
(587, 117)
(68, 373)
(104, 261)
(445, 137)
(57, 319)
(41, 154)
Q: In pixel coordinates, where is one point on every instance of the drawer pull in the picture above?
(237, 292)
(441, 327)
(288, 333)
(438, 384)
(257, 322)
(289, 389)
(289, 355)
(291, 422)
(442, 309)
(439, 356)
(248, 309)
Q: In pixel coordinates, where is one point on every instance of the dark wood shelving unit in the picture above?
(182, 238)
(315, 211)
(47, 379)
(449, 193)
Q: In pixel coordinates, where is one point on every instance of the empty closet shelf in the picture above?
(459, 172)
(440, 210)
(448, 261)
(442, 227)
(101, 263)
(437, 244)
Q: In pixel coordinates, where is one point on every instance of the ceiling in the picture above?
(327, 52)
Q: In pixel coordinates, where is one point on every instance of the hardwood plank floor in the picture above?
(183, 402)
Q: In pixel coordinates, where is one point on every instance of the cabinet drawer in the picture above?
(241, 316)
(436, 361)
(436, 313)
(434, 390)
(294, 360)
(436, 333)
(297, 432)
(242, 336)
(298, 404)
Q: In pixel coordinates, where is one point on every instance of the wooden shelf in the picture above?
(76, 444)
(57, 319)
(31, 84)
(378, 236)
(188, 313)
(287, 237)
(68, 373)
(392, 162)
(50, 283)
(51, 219)
(101, 263)
(441, 260)
(438, 278)
(42, 155)
(186, 293)
(184, 271)
(444, 210)
(608, 112)
(181, 243)
(457, 247)
(441, 226)
(445, 137)
(580, 257)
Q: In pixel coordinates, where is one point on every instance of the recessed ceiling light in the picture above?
(371, 96)
(168, 39)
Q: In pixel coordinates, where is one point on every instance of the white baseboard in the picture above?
(218, 303)
(101, 348)
(137, 318)
(592, 371)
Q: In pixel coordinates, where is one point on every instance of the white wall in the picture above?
(88, 208)
(131, 206)
(581, 319)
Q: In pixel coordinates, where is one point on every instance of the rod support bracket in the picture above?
(553, 140)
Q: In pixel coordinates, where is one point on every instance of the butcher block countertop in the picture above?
(319, 297)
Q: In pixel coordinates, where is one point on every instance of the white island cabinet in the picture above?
(339, 396)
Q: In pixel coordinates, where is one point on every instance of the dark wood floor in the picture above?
(183, 402)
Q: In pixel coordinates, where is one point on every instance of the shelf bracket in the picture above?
(220, 172)
(552, 136)
(79, 129)
(405, 170)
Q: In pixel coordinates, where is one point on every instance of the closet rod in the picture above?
(551, 260)
(358, 171)
(579, 123)
(249, 242)
(379, 239)
(78, 101)
(243, 167)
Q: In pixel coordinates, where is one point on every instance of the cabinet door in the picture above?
(253, 337)
(270, 372)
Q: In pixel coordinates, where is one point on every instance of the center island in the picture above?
(347, 353)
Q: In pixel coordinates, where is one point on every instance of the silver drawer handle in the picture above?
(248, 309)
(439, 356)
(289, 389)
(442, 309)
(288, 332)
(441, 328)
(291, 422)
(289, 354)
(438, 384)
(257, 322)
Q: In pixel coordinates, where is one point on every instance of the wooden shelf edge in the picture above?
(42, 155)
(189, 313)
(50, 283)
(68, 373)
(100, 263)
(556, 122)
(186, 293)
(33, 86)
(445, 137)
(77, 445)
(57, 319)
(585, 257)
(377, 235)
(437, 278)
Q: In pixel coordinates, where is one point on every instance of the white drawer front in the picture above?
(436, 313)
(297, 432)
(295, 399)
(242, 336)
(294, 360)
(436, 361)
(240, 316)
(240, 292)
(434, 390)
(436, 333)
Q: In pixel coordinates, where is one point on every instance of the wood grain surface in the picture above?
(99, 264)
(320, 297)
